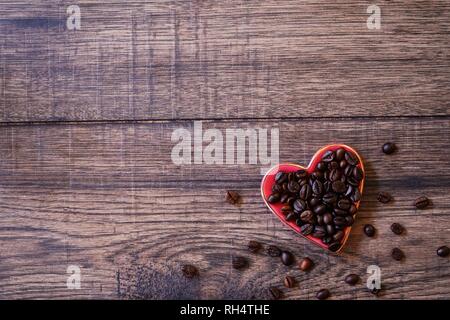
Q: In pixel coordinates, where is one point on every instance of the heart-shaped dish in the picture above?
(268, 183)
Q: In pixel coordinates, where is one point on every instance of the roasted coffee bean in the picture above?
(317, 188)
(291, 176)
(273, 251)
(286, 209)
(319, 220)
(384, 197)
(340, 154)
(352, 181)
(291, 216)
(293, 187)
(320, 209)
(322, 166)
(189, 271)
(388, 147)
(327, 186)
(275, 293)
(349, 221)
(339, 221)
(299, 205)
(344, 204)
(334, 246)
(328, 156)
(323, 294)
(301, 174)
(335, 175)
(314, 202)
(353, 209)
(254, 246)
(239, 262)
(317, 175)
(306, 264)
(358, 174)
(276, 188)
(397, 228)
(319, 232)
(290, 201)
(329, 198)
(330, 229)
(397, 254)
(281, 177)
(274, 198)
(305, 192)
(342, 164)
(327, 218)
(233, 197)
(422, 202)
(299, 222)
(338, 186)
(369, 230)
(351, 159)
(307, 229)
(340, 212)
(287, 258)
(338, 236)
(302, 182)
(356, 196)
(443, 251)
(284, 198)
(289, 282)
(307, 217)
(352, 279)
(333, 165)
(348, 170)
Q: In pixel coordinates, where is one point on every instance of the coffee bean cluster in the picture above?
(321, 203)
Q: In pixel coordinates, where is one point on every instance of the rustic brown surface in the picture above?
(107, 197)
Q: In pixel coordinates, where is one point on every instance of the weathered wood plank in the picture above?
(226, 59)
(108, 198)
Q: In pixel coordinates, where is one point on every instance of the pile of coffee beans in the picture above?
(322, 203)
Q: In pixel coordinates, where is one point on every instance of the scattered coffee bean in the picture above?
(384, 197)
(323, 294)
(323, 203)
(239, 262)
(352, 279)
(369, 230)
(189, 271)
(289, 282)
(275, 293)
(273, 251)
(389, 147)
(397, 228)
(397, 254)
(422, 202)
(254, 246)
(287, 258)
(234, 197)
(443, 251)
(306, 264)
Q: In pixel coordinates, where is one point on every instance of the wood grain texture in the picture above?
(222, 59)
(108, 198)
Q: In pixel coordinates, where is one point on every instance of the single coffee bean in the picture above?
(275, 293)
(319, 232)
(273, 251)
(329, 198)
(317, 187)
(333, 165)
(286, 209)
(334, 246)
(330, 229)
(276, 188)
(384, 197)
(353, 209)
(322, 166)
(422, 202)
(348, 170)
(306, 264)
(342, 164)
(239, 262)
(289, 282)
(320, 209)
(306, 229)
(397, 254)
(300, 205)
(356, 196)
(305, 192)
(339, 221)
(352, 279)
(314, 202)
(254, 246)
(328, 156)
(189, 271)
(338, 236)
(388, 147)
(301, 174)
(307, 217)
(327, 218)
(338, 186)
(369, 230)
(291, 216)
(335, 175)
(319, 220)
(443, 251)
(358, 174)
(340, 212)
(284, 198)
(323, 294)
(317, 175)
(274, 198)
(352, 181)
(340, 154)
(351, 158)
(349, 191)
(344, 204)
(349, 221)
(233, 197)
(281, 177)
(287, 258)
(293, 187)
(397, 228)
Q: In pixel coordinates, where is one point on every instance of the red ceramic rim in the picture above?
(269, 180)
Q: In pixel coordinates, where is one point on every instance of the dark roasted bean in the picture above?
(358, 174)
(328, 156)
(330, 229)
(314, 202)
(443, 251)
(340, 154)
(338, 186)
(293, 187)
(384, 197)
(351, 158)
(301, 174)
(291, 216)
(388, 147)
(327, 218)
(287, 258)
(369, 230)
(397, 228)
(307, 229)
(422, 202)
(307, 216)
(319, 232)
(274, 198)
(305, 192)
(320, 209)
(344, 204)
(397, 254)
(323, 294)
(322, 166)
(352, 279)
(281, 177)
(299, 205)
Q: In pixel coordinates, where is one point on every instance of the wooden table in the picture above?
(86, 175)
